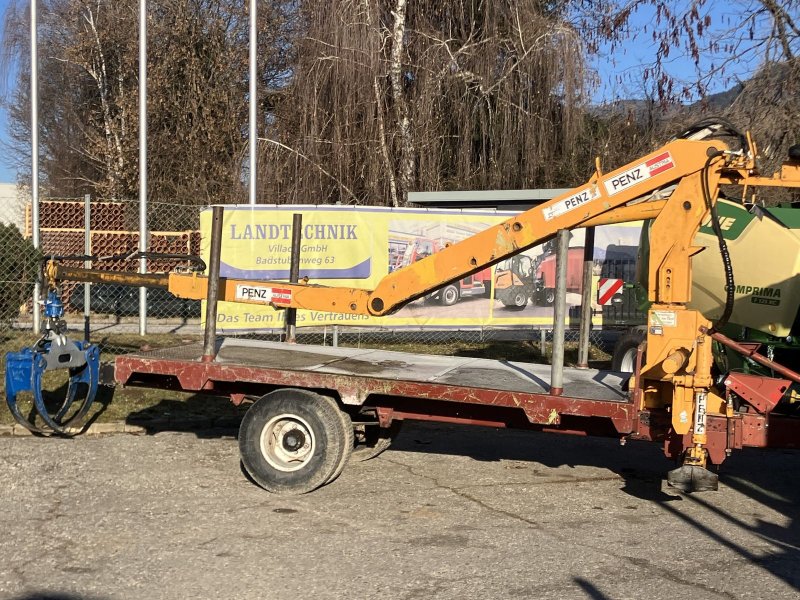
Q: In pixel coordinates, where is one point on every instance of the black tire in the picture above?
(449, 295)
(623, 358)
(549, 296)
(376, 441)
(292, 441)
(516, 301)
(349, 441)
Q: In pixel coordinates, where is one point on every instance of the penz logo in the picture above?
(266, 295)
(659, 164)
(560, 207)
(646, 170)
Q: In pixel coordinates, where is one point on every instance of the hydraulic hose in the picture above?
(730, 287)
(721, 128)
(724, 128)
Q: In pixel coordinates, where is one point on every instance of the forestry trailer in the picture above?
(309, 400)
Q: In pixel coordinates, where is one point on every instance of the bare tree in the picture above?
(361, 101)
(389, 96)
(197, 56)
(726, 40)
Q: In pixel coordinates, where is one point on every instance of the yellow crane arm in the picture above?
(658, 186)
(625, 194)
(604, 199)
(665, 186)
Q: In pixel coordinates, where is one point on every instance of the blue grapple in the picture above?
(54, 351)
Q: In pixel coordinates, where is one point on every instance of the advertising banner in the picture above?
(357, 246)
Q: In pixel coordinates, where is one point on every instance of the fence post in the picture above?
(294, 275)
(212, 294)
(559, 314)
(586, 299)
(87, 250)
(37, 286)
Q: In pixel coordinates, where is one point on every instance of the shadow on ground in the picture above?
(768, 477)
(205, 416)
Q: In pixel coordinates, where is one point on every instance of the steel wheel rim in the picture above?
(287, 442)
(450, 295)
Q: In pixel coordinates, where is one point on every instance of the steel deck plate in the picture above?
(401, 366)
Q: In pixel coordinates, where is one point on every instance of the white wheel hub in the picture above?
(287, 442)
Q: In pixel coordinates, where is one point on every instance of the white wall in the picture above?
(12, 205)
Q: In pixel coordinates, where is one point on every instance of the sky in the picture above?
(7, 175)
(618, 70)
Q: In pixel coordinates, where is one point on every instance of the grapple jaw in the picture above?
(24, 372)
(54, 351)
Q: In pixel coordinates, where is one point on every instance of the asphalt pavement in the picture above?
(449, 512)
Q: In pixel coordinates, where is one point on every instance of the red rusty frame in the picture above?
(763, 393)
(540, 409)
(744, 430)
(467, 405)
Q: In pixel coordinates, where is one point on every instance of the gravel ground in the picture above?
(447, 513)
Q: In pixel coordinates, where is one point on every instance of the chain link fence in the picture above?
(108, 231)
(19, 264)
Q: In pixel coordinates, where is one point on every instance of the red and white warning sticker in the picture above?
(607, 288)
(639, 173)
(266, 295)
(571, 202)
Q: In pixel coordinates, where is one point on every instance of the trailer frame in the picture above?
(381, 387)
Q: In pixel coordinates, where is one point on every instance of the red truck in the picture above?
(545, 281)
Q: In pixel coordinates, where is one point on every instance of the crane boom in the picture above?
(625, 194)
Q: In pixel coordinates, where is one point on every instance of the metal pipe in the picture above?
(142, 160)
(58, 272)
(87, 250)
(212, 295)
(253, 100)
(586, 299)
(559, 314)
(294, 276)
(750, 352)
(37, 286)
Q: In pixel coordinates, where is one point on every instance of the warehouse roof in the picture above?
(500, 199)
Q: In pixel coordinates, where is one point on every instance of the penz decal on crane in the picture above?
(639, 173)
(572, 202)
(264, 295)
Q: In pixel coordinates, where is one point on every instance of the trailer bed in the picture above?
(359, 376)
(445, 370)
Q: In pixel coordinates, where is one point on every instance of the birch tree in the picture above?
(389, 96)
